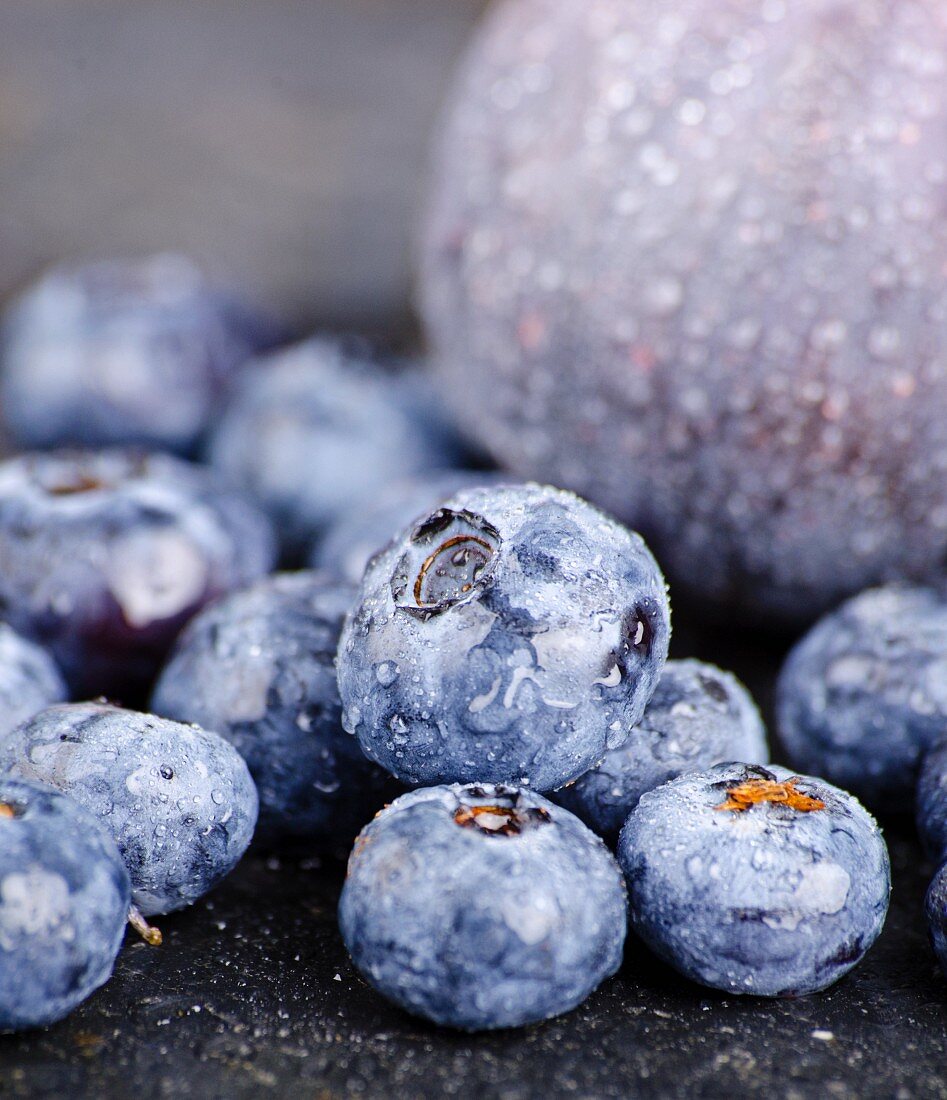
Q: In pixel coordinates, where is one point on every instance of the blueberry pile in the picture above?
(471, 682)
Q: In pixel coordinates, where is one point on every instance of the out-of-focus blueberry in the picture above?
(482, 907)
(104, 555)
(514, 635)
(122, 352)
(29, 680)
(753, 880)
(358, 534)
(178, 800)
(259, 668)
(318, 429)
(64, 899)
(864, 693)
(698, 716)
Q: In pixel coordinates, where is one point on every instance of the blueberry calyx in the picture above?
(8, 811)
(499, 819)
(450, 555)
(742, 796)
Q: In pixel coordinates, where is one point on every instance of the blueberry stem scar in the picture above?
(741, 797)
(147, 931)
(498, 820)
(456, 540)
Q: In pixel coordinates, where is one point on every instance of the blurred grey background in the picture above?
(281, 141)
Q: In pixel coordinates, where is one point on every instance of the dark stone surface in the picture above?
(252, 995)
(284, 139)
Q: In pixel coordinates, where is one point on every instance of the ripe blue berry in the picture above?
(122, 352)
(754, 880)
(259, 668)
(514, 635)
(319, 429)
(178, 800)
(64, 899)
(482, 907)
(29, 680)
(698, 716)
(106, 554)
(864, 693)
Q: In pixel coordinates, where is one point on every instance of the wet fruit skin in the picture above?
(320, 428)
(482, 907)
(64, 897)
(753, 880)
(935, 906)
(122, 352)
(515, 635)
(698, 716)
(104, 555)
(365, 529)
(258, 667)
(931, 801)
(177, 799)
(29, 680)
(687, 260)
(863, 695)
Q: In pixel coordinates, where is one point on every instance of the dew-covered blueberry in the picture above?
(122, 352)
(360, 532)
(513, 635)
(755, 880)
(482, 907)
(864, 693)
(698, 716)
(177, 799)
(258, 667)
(29, 680)
(64, 898)
(683, 258)
(317, 429)
(935, 905)
(104, 555)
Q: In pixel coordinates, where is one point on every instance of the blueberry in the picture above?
(259, 668)
(29, 680)
(122, 352)
(931, 801)
(178, 800)
(698, 716)
(318, 429)
(64, 900)
(514, 635)
(936, 907)
(482, 907)
(105, 555)
(754, 880)
(865, 693)
(359, 533)
(709, 297)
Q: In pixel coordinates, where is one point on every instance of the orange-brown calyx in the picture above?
(469, 550)
(6, 811)
(754, 791)
(498, 820)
